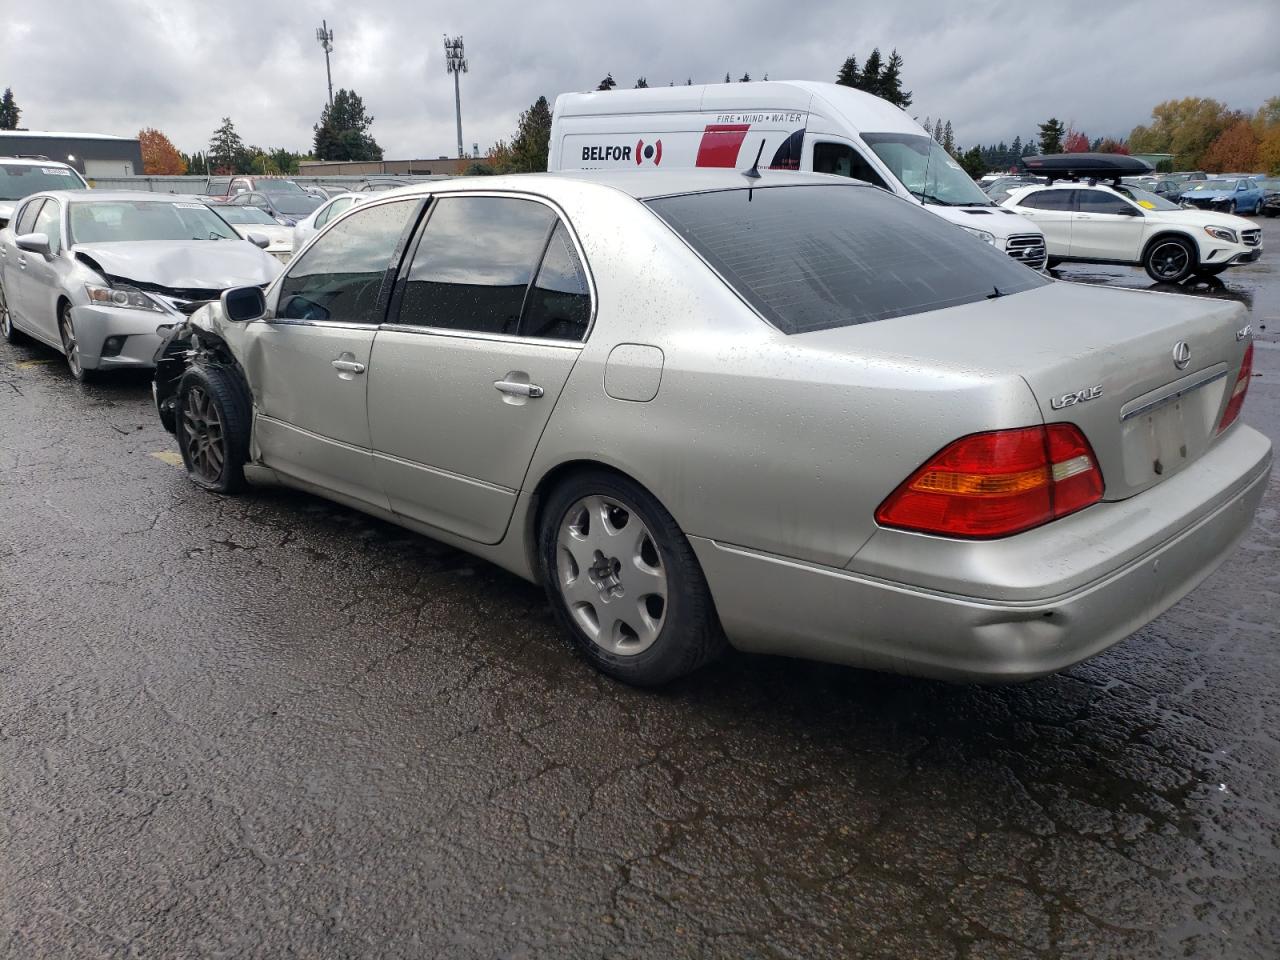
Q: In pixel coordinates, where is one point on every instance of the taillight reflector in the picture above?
(998, 483)
(1239, 391)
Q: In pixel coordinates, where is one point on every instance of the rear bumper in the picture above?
(770, 604)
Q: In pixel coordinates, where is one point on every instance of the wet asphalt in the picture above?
(268, 726)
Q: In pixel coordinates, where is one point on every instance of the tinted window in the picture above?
(340, 276)
(27, 218)
(49, 222)
(1048, 200)
(1099, 201)
(474, 263)
(18, 180)
(844, 161)
(559, 306)
(814, 257)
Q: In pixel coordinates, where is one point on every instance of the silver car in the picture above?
(97, 274)
(795, 413)
(313, 222)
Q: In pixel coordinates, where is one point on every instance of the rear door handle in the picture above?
(348, 366)
(513, 388)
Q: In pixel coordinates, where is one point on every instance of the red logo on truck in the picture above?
(651, 152)
(721, 143)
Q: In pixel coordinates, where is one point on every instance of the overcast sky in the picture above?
(994, 69)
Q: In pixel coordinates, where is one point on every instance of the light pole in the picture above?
(456, 63)
(325, 36)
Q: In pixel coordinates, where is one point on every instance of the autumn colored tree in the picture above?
(1075, 142)
(1184, 128)
(159, 156)
(1112, 145)
(1234, 150)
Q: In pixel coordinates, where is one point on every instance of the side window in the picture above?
(49, 222)
(842, 160)
(257, 200)
(559, 305)
(340, 276)
(473, 265)
(1048, 200)
(1100, 201)
(27, 218)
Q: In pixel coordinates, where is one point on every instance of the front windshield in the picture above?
(279, 186)
(18, 180)
(239, 214)
(1208, 185)
(927, 171)
(117, 221)
(296, 204)
(1146, 199)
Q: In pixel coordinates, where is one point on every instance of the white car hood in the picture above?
(184, 264)
(1200, 218)
(997, 221)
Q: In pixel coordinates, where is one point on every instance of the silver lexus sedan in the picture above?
(95, 274)
(795, 414)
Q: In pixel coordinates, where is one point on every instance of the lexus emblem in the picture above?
(1181, 354)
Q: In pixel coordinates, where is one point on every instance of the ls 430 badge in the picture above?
(1080, 396)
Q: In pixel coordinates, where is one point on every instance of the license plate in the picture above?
(1166, 435)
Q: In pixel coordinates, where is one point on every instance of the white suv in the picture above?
(1094, 223)
(20, 177)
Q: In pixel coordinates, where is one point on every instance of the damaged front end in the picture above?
(197, 339)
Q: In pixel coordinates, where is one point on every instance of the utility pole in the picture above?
(325, 36)
(456, 63)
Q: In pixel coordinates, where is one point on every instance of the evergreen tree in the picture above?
(872, 71)
(746, 78)
(891, 83)
(689, 82)
(937, 130)
(608, 83)
(1051, 134)
(971, 162)
(948, 138)
(343, 130)
(226, 149)
(849, 75)
(533, 137)
(726, 79)
(641, 84)
(10, 113)
(1016, 148)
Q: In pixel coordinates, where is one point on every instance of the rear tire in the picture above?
(624, 582)
(212, 419)
(1169, 260)
(10, 332)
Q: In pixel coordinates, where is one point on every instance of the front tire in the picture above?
(10, 332)
(624, 582)
(1170, 260)
(212, 420)
(71, 345)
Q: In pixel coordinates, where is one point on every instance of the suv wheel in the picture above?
(1170, 260)
(624, 582)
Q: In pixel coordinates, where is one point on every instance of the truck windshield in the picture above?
(815, 257)
(18, 180)
(929, 173)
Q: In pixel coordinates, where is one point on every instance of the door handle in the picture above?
(348, 366)
(513, 388)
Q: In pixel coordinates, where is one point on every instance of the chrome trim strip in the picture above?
(1182, 392)
(331, 324)
(480, 335)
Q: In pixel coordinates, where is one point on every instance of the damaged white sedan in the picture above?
(100, 276)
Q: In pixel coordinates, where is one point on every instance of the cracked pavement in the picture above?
(269, 726)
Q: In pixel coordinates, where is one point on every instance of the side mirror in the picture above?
(34, 243)
(242, 304)
(258, 240)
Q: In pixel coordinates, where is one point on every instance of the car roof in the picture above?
(35, 162)
(642, 185)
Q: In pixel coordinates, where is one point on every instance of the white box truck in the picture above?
(790, 125)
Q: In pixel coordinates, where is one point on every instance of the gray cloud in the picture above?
(994, 69)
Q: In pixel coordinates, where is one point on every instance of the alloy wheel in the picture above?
(6, 322)
(203, 436)
(611, 575)
(1170, 260)
(70, 346)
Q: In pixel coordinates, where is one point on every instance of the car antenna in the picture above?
(754, 172)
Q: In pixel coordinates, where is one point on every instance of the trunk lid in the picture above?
(1102, 359)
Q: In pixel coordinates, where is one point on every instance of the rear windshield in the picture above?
(815, 257)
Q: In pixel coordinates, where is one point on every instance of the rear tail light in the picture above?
(998, 483)
(1241, 389)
